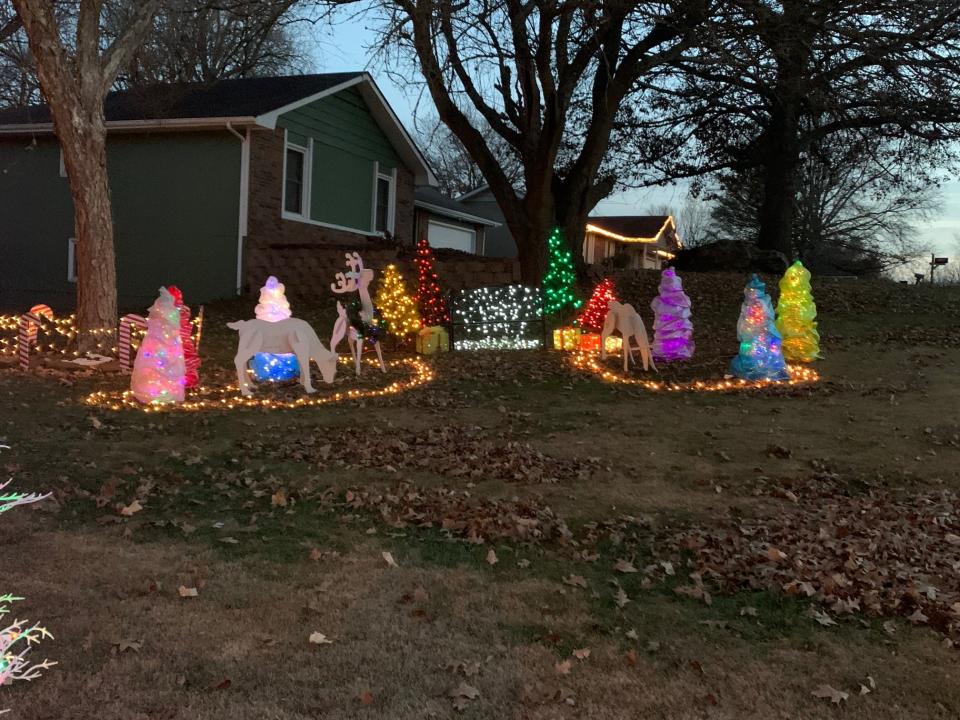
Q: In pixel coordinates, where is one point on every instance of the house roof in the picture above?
(242, 102)
(470, 194)
(430, 198)
(632, 227)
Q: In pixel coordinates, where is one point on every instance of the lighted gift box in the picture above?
(432, 340)
(591, 343)
(566, 338)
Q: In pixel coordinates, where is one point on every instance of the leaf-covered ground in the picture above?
(516, 540)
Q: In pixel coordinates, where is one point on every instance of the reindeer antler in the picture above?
(343, 284)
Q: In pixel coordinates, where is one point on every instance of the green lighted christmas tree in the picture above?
(558, 283)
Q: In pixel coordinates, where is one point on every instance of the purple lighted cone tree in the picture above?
(672, 329)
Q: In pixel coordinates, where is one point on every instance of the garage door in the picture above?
(442, 235)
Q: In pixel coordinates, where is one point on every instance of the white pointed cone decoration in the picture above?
(159, 370)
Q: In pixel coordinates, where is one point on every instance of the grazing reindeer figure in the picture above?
(286, 336)
(357, 280)
(625, 320)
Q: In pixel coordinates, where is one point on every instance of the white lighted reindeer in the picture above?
(357, 280)
(625, 320)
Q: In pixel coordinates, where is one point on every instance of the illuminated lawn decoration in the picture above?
(159, 369)
(558, 283)
(672, 329)
(761, 355)
(191, 359)
(625, 320)
(398, 309)
(419, 374)
(365, 321)
(433, 306)
(566, 338)
(498, 318)
(796, 316)
(17, 639)
(274, 307)
(798, 375)
(595, 311)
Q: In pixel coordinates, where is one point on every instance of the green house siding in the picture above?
(175, 204)
(347, 147)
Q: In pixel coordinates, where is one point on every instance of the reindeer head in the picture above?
(356, 280)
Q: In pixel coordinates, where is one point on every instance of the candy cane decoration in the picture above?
(127, 323)
(28, 329)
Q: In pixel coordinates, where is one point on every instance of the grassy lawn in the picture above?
(515, 540)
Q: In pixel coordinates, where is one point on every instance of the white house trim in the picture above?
(456, 214)
(307, 151)
(139, 125)
(244, 200)
(318, 223)
(269, 120)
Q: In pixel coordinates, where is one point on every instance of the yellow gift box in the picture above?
(566, 338)
(432, 340)
(591, 343)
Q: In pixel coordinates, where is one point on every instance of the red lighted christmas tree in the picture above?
(433, 306)
(595, 312)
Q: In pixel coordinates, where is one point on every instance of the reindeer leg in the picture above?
(301, 349)
(383, 368)
(356, 348)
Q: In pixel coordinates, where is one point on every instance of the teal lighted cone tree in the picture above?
(558, 283)
(761, 353)
(796, 315)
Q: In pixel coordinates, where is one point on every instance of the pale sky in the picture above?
(345, 50)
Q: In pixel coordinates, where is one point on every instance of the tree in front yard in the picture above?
(398, 309)
(75, 77)
(549, 79)
(796, 315)
(761, 351)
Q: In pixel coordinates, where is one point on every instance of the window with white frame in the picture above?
(383, 206)
(72, 260)
(296, 176)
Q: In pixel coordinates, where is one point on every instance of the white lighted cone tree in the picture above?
(159, 372)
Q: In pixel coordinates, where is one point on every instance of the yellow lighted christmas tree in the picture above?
(796, 313)
(398, 309)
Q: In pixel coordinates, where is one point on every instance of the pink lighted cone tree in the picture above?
(672, 329)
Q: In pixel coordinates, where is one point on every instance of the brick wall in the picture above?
(308, 270)
(273, 244)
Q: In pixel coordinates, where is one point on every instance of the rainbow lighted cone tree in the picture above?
(433, 306)
(397, 308)
(273, 307)
(595, 311)
(796, 316)
(761, 354)
(672, 329)
(159, 369)
(559, 281)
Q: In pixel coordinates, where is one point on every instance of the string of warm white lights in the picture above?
(60, 334)
(589, 362)
(498, 318)
(229, 397)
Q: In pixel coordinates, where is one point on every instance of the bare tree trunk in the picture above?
(85, 158)
(779, 184)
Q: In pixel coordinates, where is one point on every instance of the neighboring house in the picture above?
(499, 241)
(640, 242)
(208, 182)
(447, 223)
(634, 241)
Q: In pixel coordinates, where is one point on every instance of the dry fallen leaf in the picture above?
(463, 694)
(318, 638)
(621, 598)
(581, 654)
(131, 509)
(366, 698)
(492, 557)
(575, 581)
(186, 592)
(831, 693)
(563, 667)
(279, 498)
(624, 566)
(388, 558)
